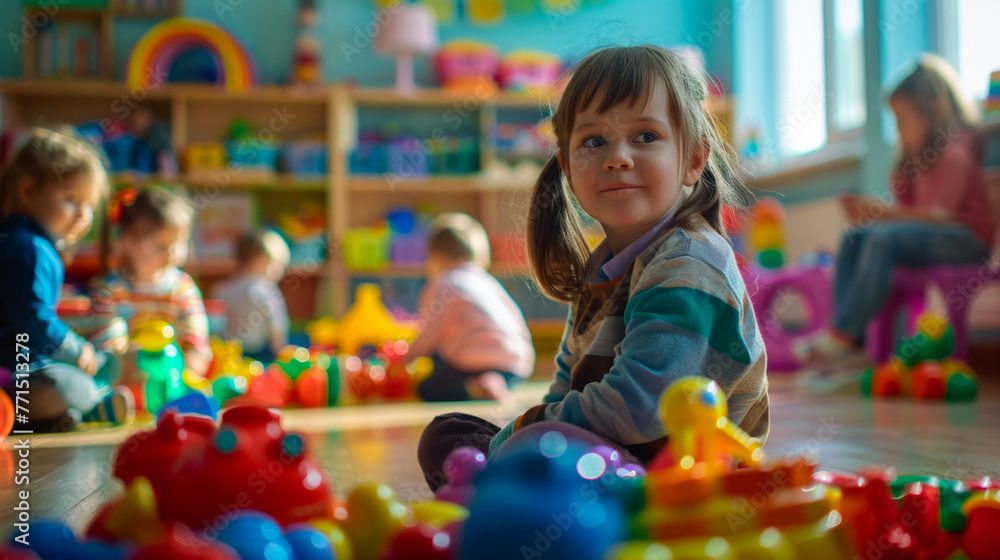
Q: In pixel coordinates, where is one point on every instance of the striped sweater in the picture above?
(681, 308)
(175, 299)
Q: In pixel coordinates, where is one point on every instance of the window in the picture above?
(849, 108)
(977, 52)
(819, 73)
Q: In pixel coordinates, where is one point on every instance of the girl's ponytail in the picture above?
(557, 248)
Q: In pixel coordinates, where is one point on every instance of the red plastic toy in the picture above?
(152, 453)
(381, 376)
(181, 544)
(249, 462)
(419, 542)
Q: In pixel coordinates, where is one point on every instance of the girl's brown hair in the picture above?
(153, 209)
(934, 88)
(49, 158)
(557, 249)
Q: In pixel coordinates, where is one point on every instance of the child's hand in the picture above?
(79, 228)
(131, 374)
(858, 209)
(88, 359)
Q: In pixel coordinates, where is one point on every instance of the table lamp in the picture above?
(410, 30)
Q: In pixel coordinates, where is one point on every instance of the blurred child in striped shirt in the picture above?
(155, 227)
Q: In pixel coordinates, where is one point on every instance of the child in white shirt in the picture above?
(256, 313)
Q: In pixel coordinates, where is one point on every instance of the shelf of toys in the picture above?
(330, 166)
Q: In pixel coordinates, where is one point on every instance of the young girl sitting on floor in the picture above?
(661, 297)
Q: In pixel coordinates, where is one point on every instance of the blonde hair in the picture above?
(49, 158)
(265, 242)
(459, 237)
(934, 88)
(557, 248)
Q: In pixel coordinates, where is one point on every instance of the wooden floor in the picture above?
(69, 473)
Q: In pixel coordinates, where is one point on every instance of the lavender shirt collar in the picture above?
(615, 268)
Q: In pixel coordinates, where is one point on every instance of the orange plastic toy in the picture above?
(6, 415)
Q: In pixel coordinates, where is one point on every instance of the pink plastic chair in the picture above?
(777, 288)
(909, 290)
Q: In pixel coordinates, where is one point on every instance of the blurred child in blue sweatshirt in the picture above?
(48, 193)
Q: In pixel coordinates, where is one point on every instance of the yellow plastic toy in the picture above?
(374, 514)
(368, 321)
(694, 414)
(322, 332)
(338, 538)
(205, 157)
(153, 335)
(227, 358)
(437, 513)
(135, 517)
(698, 506)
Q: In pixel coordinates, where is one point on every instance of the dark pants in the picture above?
(447, 383)
(867, 256)
(265, 356)
(450, 431)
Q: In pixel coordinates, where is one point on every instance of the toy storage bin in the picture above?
(253, 154)
(408, 249)
(526, 71)
(462, 156)
(366, 249)
(305, 158)
(406, 158)
(310, 249)
(458, 61)
(370, 155)
(205, 157)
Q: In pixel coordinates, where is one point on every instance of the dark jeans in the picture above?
(447, 382)
(867, 256)
(450, 431)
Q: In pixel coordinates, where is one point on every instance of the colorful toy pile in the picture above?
(923, 367)
(247, 489)
(383, 374)
(308, 378)
(696, 505)
(162, 360)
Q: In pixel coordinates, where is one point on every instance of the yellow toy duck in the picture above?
(694, 412)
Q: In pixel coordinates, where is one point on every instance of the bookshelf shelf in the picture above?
(201, 113)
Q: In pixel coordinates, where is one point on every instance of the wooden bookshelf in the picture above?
(201, 113)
